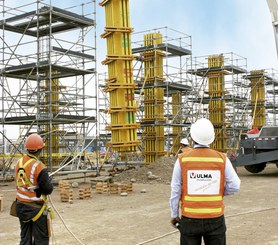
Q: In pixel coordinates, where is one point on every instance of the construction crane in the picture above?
(273, 7)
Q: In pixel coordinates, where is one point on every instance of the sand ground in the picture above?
(251, 215)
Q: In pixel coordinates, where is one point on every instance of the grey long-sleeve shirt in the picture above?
(232, 183)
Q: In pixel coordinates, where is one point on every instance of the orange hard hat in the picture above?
(34, 142)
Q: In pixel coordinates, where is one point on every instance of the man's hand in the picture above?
(176, 222)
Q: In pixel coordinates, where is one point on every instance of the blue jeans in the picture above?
(213, 231)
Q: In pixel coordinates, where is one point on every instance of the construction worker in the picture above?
(33, 184)
(201, 177)
(184, 145)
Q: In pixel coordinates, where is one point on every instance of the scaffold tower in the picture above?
(263, 107)
(163, 89)
(257, 86)
(120, 84)
(223, 96)
(48, 75)
(271, 84)
(217, 103)
(153, 136)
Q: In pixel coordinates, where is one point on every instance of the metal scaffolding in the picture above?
(223, 96)
(263, 107)
(162, 56)
(48, 77)
(153, 98)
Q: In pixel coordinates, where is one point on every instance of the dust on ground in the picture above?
(158, 172)
(105, 219)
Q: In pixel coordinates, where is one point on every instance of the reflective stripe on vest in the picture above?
(202, 159)
(203, 210)
(28, 198)
(33, 171)
(203, 199)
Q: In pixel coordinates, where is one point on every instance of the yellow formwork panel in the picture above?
(52, 106)
(215, 61)
(217, 105)
(154, 99)
(177, 131)
(120, 84)
(257, 85)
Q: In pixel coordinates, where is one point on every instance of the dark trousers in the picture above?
(32, 233)
(213, 231)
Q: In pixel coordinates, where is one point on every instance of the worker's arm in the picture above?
(232, 181)
(175, 190)
(44, 183)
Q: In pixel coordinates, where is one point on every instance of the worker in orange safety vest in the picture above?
(33, 184)
(201, 177)
(184, 146)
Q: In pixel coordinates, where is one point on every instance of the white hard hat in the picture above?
(184, 141)
(202, 131)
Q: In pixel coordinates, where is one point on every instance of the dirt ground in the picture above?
(251, 215)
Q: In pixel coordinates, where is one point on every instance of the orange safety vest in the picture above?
(203, 172)
(32, 168)
(185, 149)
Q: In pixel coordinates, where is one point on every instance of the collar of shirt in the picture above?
(201, 146)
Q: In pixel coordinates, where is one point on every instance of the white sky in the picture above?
(217, 26)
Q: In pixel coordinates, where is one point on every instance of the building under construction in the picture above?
(154, 89)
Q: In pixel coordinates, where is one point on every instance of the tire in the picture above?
(255, 168)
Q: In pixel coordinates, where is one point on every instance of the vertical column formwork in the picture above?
(120, 84)
(217, 101)
(153, 98)
(257, 86)
(177, 130)
(52, 107)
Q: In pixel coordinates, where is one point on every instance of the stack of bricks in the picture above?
(129, 186)
(114, 189)
(126, 187)
(66, 193)
(99, 187)
(85, 193)
(1, 203)
(102, 187)
(123, 188)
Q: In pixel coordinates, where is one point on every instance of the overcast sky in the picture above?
(217, 26)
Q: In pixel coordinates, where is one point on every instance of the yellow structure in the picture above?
(216, 91)
(52, 106)
(120, 84)
(223, 96)
(153, 99)
(177, 130)
(257, 85)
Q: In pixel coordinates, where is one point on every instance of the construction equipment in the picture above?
(257, 150)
